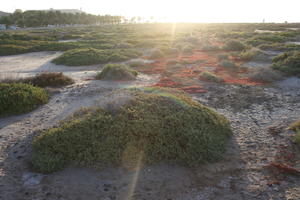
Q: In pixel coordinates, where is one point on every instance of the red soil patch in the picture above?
(193, 89)
(158, 67)
(241, 81)
(186, 76)
(166, 82)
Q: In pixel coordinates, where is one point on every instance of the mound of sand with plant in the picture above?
(117, 72)
(148, 125)
(19, 98)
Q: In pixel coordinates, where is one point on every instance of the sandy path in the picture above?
(28, 64)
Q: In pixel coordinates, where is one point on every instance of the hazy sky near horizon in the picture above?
(175, 10)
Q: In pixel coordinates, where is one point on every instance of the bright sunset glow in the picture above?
(176, 11)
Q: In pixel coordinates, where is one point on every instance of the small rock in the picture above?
(31, 179)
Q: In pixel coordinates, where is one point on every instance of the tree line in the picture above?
(45, 18)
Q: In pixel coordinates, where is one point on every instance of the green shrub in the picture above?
(295, 126)
(211, 77)
(266, 75)
(172, 62)
(254, 54)
(90, 56)
(136, 64)
(228, 64)
(288, 63)
(234, 45)
(49, 79)
(19, 98)
(297, 137)
(152, 125)
(156, 53)
(223, 56)
(124, 45)
(55, 46)
(169, 51)
(117, 72)
(187, 49)
(12, 50)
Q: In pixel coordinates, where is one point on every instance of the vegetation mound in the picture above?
(288, 63)
(228, 64)
(90, 56)
(234, 45)
(117, 72)
(156, 53)
(265, 75)
(254, 55)
(45, 79)
(211, 77)
(296, 127)
(49, 79)
(142, 124)
(19, 98)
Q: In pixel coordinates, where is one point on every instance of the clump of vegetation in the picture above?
(234, 45)
(296, 127)
(11, 49)
(211, 77)
(90, 56)
(223, 56)
(136, 64)
(156, 53)
(117, 72)
(19, 98)
(265, 75)
(45, 79)
(228, 64)
(151, 125)
(124, 45)
(49, 79)
(187, 49)
(288, 62)
(172, 62)
(253, 54)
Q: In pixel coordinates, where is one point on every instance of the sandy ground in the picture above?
(28, 64)
(241, 175)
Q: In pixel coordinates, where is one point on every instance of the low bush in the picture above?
(19, 98)
(90, 56)
(288, 62)
(223, 56)
(254, 55)
(172, 62)
(296, 127)
(265, 75)
(124, 45)
(117, 72)
(49, 79)
(234, 45)
(228, 64)
(55, 46)
(211, 77)
(12, 50)
(156, 53)
(150, 125)
(136, 64)
(187, 49)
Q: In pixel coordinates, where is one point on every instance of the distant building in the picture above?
(3, 14)
(13, 27)
(2, 27)
(71, 11)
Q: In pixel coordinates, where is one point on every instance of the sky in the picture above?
(175, 10)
